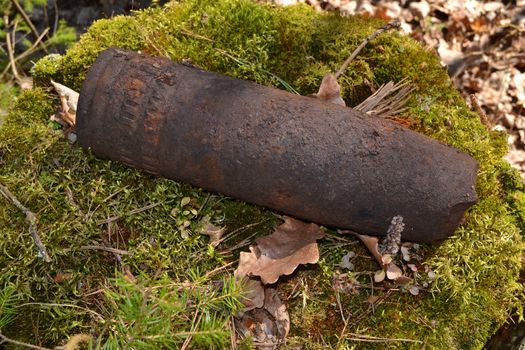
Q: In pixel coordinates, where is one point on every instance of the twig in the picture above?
(195, 35)
(26, 53)
(340, 306)
(393, 24)
(73, 306)
(55, 24)
(4, 339)
(106, 249)
(10, 49)
(235, 232)
(90, 213)
(241, 244)
(333, 237)
(26, 18)
(242, 62)
(71, 200)
(233, 337)
(30, 219)
(193, 327)
(371, 286)
(371, 339)
(222, 267)
(341, 335)
(132, 212)
(477, 108)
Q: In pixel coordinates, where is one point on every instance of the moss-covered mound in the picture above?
(129, 265)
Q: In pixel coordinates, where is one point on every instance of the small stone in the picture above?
(72, 137)
(346, 263)
(414, 290)
(406, 254)
(412, 267)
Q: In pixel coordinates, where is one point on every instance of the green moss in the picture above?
(73, 193)
(7, 93)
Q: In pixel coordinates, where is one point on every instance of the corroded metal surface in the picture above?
(316, 161)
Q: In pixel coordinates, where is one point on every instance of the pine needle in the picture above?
(388, 100)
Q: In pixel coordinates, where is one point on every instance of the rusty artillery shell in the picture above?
(301, 156)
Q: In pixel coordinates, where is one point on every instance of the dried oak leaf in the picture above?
(393, 272)
(268, 325)
(372, 244)
(207, 228)
(253, 294)
(330, 91)
(293, 243)
(69, 102)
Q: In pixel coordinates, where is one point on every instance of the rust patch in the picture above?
(316, 161)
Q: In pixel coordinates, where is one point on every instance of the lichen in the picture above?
(71, 191)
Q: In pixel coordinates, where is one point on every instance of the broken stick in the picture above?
(31, 221)
(394, 24)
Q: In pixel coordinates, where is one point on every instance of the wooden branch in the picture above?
(106, 249)
(394, 24)
(371, 339)
(26, 18)
(4, 339)
(131, 212)
(31, 221)
(24, 54)
(10, 49)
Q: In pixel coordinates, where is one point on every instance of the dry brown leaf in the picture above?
(330, 91)
(373, 299)
(386, 259)
(414, 290)
(214, 232)
(268, 325)
(379, 276)
(67, 116)
(277, 309)
(70, 95)
(258, 264)
(372, 243)
(393, 272)
(69, 102)
(293, 243)
(402, 280)
(254, 294)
